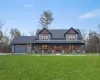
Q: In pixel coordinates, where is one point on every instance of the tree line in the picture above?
(92, 39)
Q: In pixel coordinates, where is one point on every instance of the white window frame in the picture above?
(71, 39)
(44, 35)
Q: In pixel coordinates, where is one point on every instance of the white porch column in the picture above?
(82, 48)
(63, 51)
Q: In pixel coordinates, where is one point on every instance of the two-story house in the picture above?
(49, 41)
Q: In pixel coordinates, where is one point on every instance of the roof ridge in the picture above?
(57, 29)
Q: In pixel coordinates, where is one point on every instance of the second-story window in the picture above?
(44, 37)
(71, 36)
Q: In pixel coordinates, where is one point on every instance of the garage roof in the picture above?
(23, 40)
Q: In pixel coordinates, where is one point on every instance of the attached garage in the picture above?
(22, 44)
(20, 49)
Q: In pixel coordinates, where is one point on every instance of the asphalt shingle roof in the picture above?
(59, 33)
(23, 39)
(57, 37)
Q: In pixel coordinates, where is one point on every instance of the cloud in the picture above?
(28, 6)
(91, 14)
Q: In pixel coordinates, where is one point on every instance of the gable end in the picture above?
(71, 31)
(44, 31)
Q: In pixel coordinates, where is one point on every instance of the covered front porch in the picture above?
(58, 48)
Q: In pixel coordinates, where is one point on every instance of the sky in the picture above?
(25, 14)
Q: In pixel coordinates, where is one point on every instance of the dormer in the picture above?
(71, 34)
(44, 34)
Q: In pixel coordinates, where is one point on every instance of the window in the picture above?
(71, 36)
(71, 47)
(44, 37)
(44, 47)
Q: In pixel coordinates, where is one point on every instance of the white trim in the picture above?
(72, 39)
(49, 36)
(60, 40)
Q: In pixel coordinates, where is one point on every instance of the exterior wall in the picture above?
(50, 47)
(29, 48)
(65, 48)
(37, 48)
(44, 32)
(78, 47)
(71, 31)
(12, 49)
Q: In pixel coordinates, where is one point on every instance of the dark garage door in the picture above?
(20, 48)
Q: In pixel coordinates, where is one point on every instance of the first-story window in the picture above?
(71, 47)
(44, 47)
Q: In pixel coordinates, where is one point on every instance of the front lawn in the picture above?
(25, 67)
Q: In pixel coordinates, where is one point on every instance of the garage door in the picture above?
(20, 48)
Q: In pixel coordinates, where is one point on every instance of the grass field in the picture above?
(24, 67)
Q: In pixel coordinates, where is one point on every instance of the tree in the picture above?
(14, 32)
(1, 35)
(99, 38)
(31, 33)
(83, 32)
(92, 42)
(99, 28)
(46, 19)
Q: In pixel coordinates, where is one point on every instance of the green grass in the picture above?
(25, 67)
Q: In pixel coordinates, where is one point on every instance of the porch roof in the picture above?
(59, 41)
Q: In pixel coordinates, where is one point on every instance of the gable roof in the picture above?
(23, 39)
(59, 33)
(57, 37)
(71, 29)
(44, 29)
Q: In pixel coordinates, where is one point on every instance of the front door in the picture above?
(58, 48)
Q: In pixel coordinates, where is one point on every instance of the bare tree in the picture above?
(1, 35)
(23, 34)
(99, 38)
(14, 32)
(99, 28)
(31, 33)
(1, 32)
(46, 19)
(83, 32)
(92, 42)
